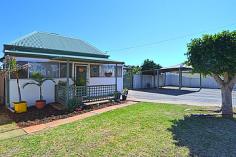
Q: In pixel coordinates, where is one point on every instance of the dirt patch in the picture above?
(35, 116)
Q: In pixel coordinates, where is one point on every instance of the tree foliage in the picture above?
(132, 69)
(38, 80)
(10, 67)
(149, 65)
(213, 54)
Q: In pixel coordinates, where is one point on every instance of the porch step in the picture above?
(58, 106)
(97, 102)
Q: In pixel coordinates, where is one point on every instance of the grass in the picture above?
(143, 129)
(6, 124)
(8, 128)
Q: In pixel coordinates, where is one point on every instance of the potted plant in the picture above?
(38, 80)
(124, 94)
(10, 66)
(81, 81)
(108, 74)
(117, 96)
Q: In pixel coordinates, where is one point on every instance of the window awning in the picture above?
(62, 57)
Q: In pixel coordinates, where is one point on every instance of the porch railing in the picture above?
(85, 93)
(60, 94)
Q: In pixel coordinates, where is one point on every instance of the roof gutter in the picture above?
(51, 51)
(62, 57)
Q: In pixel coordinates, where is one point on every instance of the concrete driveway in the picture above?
(190, 96)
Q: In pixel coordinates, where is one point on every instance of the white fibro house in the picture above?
(76, 67)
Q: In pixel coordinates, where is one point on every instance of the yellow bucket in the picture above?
(20, 107)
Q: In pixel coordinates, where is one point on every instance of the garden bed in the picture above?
(35, 116)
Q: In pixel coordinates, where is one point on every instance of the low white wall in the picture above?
(31, 92)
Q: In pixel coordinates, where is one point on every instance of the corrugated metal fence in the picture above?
(172, 79)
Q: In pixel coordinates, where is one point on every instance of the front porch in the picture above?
(91, 83)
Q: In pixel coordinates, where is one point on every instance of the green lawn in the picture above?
(5, 123)
(143, 129)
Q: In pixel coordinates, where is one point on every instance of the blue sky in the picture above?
(113, 25)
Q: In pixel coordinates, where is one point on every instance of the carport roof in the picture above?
(182, 67)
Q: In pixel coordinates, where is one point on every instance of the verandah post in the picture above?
(67, 81)
(200, 81)
(158, 79)
(154, 79)
(165, 79)
(116, 76)
(7, 83)
(180, 78)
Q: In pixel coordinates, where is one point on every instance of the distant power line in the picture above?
(166, 40)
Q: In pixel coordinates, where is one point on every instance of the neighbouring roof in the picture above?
(182, 67)
(51, 44)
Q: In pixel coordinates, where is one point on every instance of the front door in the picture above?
(81, 75)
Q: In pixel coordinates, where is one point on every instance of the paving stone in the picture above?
(12, 133)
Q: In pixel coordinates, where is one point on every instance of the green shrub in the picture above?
(74, 103)
(125, 91)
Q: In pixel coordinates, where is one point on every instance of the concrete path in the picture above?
(190, 96)
(12, 134)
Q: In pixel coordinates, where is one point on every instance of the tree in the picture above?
(215, 55)
(10, 66)
(149, 65)
(38, 80)
(132, 69)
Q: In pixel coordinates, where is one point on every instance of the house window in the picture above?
(23, 74)
(63, 68)
(94, 70)
(47, 69)
(109, 70)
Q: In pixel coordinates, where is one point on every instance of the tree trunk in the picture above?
(40, 90)
(227, 108)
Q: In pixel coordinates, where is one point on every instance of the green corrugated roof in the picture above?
(52, 41)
